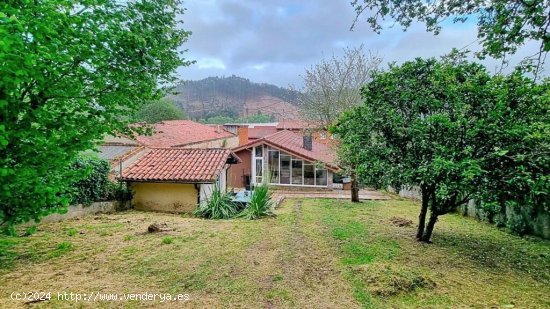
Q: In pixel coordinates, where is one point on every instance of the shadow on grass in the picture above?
(497, 250)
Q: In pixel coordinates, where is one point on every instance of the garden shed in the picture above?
(177, 179)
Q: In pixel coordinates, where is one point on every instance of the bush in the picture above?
(118, 191)
(260, 204)
(218, 206)
(92, 186)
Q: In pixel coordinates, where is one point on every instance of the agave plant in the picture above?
(218, 206)
(260, 204)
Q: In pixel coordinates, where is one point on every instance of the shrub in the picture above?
(218, 206)
(118, 191)
(92, 186)
(260, 204)
(167, 240)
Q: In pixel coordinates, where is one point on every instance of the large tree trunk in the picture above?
(354, 188)
(423, 212)
(430, 226)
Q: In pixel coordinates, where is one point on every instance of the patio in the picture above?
(364, 194)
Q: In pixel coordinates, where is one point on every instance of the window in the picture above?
(258, 151)
(273, 162)
(285, 169)
(320, 177)
(259, 170)
(309, 174)
(297, 172)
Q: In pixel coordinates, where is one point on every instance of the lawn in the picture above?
(313, 254)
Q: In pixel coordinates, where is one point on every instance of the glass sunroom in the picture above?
(281, 168)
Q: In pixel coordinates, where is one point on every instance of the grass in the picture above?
(314, 253)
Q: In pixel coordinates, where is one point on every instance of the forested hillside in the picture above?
(234, 97)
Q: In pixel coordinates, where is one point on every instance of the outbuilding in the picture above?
(177, 179)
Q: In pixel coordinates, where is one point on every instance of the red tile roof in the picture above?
(293, 143)
(176, 133)
(179, 165)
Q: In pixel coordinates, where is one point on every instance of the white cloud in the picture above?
(273, 41)
(210, 63)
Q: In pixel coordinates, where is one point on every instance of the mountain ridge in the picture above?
(234, 97)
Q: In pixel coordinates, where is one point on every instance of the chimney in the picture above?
(242, 132)
(308, 142)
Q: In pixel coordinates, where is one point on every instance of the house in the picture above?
(284, 159)
(188, 134)
(177, 179)
(301, 126)
(120, 151)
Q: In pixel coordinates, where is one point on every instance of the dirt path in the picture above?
(294, 266)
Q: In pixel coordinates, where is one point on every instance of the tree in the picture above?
(333, 86)
(70, 72)
(159, 110)
(445, 128)
(503, 25)
(257, 118)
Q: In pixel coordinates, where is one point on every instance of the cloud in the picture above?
(210, 63)
(274, 41)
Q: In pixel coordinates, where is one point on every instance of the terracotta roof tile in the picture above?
(293, 143)
(182, 132)
(179, 165)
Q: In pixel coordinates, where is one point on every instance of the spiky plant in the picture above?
(218, 206)
(260, 204)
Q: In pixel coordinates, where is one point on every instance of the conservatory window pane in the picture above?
(273, 161)
(259, 170)
(296, 172)
(320, 177)
(259, 151)
(309, 174)
(285, 169)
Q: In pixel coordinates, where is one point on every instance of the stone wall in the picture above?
(80, 210)
(537, 224)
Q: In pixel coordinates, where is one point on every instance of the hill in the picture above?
(234, 97)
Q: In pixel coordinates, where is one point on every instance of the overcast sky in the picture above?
(274, 41)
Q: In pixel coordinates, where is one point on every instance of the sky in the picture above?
(274, 41)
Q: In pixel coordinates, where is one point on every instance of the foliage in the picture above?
(503, 26)
(218, 206)
(167, 240)
(455, 132)
(118, 191)
(260, 204)
(218, 120)
(70, 72)
(333, 85)
(256, 118)
(93, 187)
(159, 110)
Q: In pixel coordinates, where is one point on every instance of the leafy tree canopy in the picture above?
(159, 110)
(70, 72)
(455, 132)
(503, 25)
